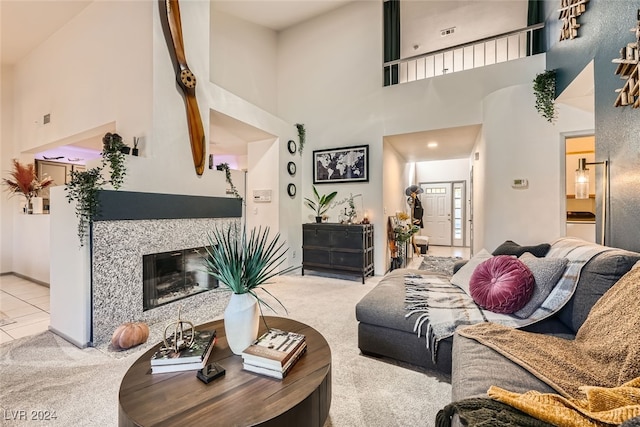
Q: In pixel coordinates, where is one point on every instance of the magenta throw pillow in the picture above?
(502, 284)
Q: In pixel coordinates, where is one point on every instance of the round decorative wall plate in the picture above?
(291, 190)
(291, 146)
(291, 168)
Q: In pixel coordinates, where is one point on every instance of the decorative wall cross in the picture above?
(570, 10)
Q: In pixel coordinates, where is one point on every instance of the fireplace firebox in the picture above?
(171, 276)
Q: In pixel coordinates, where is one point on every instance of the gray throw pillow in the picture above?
(546, 272)
(512, 248)
(463, 275)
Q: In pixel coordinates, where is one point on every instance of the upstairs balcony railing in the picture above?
(479, 53)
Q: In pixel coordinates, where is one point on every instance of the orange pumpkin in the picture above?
(129, 334)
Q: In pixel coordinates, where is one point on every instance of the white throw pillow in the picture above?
(463, 275)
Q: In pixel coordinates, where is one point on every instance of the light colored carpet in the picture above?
(44, 372)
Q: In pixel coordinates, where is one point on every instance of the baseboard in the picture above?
(68, 338)
(22, 276)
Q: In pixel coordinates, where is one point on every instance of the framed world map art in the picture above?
(346, 164)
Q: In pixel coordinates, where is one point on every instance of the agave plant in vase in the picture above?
(243, 263)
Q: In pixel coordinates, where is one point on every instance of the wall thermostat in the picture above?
(520, 183)
(262, 196)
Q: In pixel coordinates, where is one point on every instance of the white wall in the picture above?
(95, 70)
(7, 151)
(263, 155)
(396, 176)
(336, 90)
(243, 59)
(518, 143)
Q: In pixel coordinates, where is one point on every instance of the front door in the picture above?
(436, 200)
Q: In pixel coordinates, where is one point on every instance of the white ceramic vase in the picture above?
(241, 321)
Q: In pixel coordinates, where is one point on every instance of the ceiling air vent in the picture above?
(447, 31)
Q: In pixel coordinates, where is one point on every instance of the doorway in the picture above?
(444, 212)
(580, 213)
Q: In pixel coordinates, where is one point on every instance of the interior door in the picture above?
(436, 200)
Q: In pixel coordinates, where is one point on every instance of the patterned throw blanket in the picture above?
(441, 307)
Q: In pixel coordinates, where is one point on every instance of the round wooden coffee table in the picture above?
(239, 398)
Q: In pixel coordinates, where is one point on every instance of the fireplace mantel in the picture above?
(130, 205)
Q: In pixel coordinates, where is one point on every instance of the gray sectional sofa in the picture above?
(383, 330)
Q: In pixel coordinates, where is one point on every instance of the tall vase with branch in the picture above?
(243, 262)
(24, 180)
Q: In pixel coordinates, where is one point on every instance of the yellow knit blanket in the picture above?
(600, 407)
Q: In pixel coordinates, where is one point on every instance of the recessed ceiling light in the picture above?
(432, 145)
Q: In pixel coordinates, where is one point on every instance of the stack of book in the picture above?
(274, 353)
(192, 358)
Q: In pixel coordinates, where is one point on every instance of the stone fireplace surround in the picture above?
(131, 225)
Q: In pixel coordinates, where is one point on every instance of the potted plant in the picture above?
(243, 263)
(227, 176)
(25, 181)
(321, 203)
(84, 185)
(544, 88)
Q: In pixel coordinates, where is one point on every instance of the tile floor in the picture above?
(27, 304)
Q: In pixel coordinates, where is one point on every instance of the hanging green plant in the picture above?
(83, 189)
(84, 185)
(544, 87)
(113, 154)
(227, 174)
(301, 136)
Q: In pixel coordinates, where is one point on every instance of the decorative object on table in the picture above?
(544, 88)
(84, 185)
(346, 164)
(178, 340)
(172, 28)
(129, 335)
(227, 175)
(291, 168)
(243, 263)
(321, 203)
(210, 372)
(350, 212)
(23, 180)
(136, 141)
(629, 70)
(302, 136)
(191, 357)
(274, 353)
(291, 190)
(570, 11)
(291, 146)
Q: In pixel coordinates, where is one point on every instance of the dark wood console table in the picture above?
(240, 398)
(338, 248)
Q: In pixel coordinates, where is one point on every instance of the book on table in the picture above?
(275, 373)
(194, 357)
(274, 353)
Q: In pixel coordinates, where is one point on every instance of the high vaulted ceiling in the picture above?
(25, 24)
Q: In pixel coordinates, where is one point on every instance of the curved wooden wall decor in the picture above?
(172, 27)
